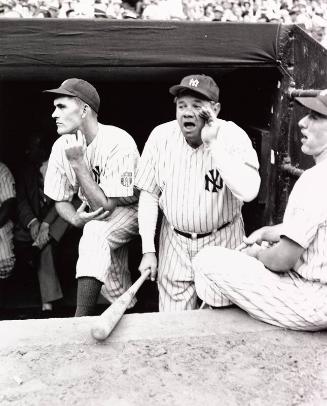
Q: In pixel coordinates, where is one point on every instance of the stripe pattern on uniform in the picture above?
(194, 199)
(7, 191)
(112, 159)
(284, 300)
(295, 299)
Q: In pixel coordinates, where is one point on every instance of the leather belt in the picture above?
(195, 236)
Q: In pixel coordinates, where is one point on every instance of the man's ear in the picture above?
(216, 109)
(85, 110)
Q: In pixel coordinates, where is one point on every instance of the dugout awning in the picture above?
(43, 47)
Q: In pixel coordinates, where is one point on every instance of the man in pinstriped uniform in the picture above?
(284, 281)
(7, 201)
(199, 170)
(97, 161)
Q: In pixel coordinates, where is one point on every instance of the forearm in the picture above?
(273, 260)
(6, 211)
(282, 257)
(147, 217)
(92, 191)
(66, 211)
(242, 179)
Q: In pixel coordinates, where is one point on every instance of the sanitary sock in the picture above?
(88, 290)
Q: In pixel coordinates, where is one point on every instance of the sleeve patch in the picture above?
(126, 179)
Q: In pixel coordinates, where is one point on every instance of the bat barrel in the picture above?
(107, 321)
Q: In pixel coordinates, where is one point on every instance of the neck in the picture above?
(90, 130)
(321, 157)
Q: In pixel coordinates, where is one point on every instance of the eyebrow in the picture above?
(316, 113)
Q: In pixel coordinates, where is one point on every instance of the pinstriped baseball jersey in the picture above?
(294, 299)
(195, 199)
(111, 158)
(193, 195)
(305, 222)
(7, 191)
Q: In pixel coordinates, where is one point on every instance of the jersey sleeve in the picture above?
(146, 171)
(305, 211)
(7, 184)
(237, 161)
(56, 183)
(118, 177)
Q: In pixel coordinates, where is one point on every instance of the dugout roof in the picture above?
(35, 47)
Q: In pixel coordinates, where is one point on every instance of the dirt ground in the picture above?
(274, 367)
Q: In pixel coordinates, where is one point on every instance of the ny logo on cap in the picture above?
(193, 82)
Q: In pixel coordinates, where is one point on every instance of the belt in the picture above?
(195, 236)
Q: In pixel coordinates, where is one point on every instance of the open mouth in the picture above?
(188, 125)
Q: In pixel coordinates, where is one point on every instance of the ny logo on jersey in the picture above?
(214, 180)
(96, 174)
(194, 82)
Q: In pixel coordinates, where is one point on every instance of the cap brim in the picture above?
(174, 90)
(60, 90)
(313, 103)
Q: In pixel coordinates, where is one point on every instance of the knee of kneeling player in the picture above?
(94, 230)
(218, 260)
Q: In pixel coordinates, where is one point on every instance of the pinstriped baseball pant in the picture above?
(103, 253)
(282, 299)
(175, 271)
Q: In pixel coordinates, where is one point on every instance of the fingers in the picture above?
(103, 216)
(82, 207)
(153, 274)
(241, 247)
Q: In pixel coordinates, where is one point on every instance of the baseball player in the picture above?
(198, 169)
(284, 281)
(7, 202)
(97, 161)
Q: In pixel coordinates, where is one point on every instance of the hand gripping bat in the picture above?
(107, 321)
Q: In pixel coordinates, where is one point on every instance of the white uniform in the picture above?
(294, 299)
(7, 191)
(112, 158)
(194, 198)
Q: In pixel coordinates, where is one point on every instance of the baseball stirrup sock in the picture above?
(88, 290)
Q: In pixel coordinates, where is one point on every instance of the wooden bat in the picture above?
(107, 321)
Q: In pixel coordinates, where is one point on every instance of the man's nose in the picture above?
(54, 114)
(303, 122)
(189, 112)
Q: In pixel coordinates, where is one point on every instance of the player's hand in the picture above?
(82, 217)
(149, 261)
(34, 229)
(270, 234)
(211, 125)
(252, 250)
(43, 236)
(75, 148)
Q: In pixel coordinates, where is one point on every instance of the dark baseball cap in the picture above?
(79, 88)
(201, 84)
(317, 103)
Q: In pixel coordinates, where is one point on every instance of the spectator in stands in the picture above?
(155, 10)
(7, 204)
(39, 227)
(310, 14)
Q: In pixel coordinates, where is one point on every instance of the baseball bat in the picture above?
(107, 321)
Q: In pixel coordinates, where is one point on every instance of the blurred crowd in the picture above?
(310, 14)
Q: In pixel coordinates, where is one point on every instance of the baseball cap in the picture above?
(201, 84)
(79, 88)
(317, 103)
